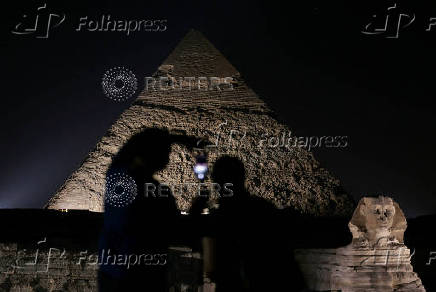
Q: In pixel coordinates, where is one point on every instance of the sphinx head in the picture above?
(379, 213)
(378, 221)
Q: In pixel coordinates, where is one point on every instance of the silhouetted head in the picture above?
(229, 169)
(145, 153)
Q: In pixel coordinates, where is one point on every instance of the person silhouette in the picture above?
(138, 220)
(251, 255)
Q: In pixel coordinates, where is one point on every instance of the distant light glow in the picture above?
(200, 170)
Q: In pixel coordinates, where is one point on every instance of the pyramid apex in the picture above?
(195, 56)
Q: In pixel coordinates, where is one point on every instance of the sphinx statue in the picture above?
(377, 222)
(376, 260)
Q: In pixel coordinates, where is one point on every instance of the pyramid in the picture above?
(236, 120)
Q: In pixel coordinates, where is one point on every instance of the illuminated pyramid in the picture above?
(235, 116)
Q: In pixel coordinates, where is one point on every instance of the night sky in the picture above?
(309, 61)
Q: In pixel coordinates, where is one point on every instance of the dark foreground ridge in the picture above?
(74, 234)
